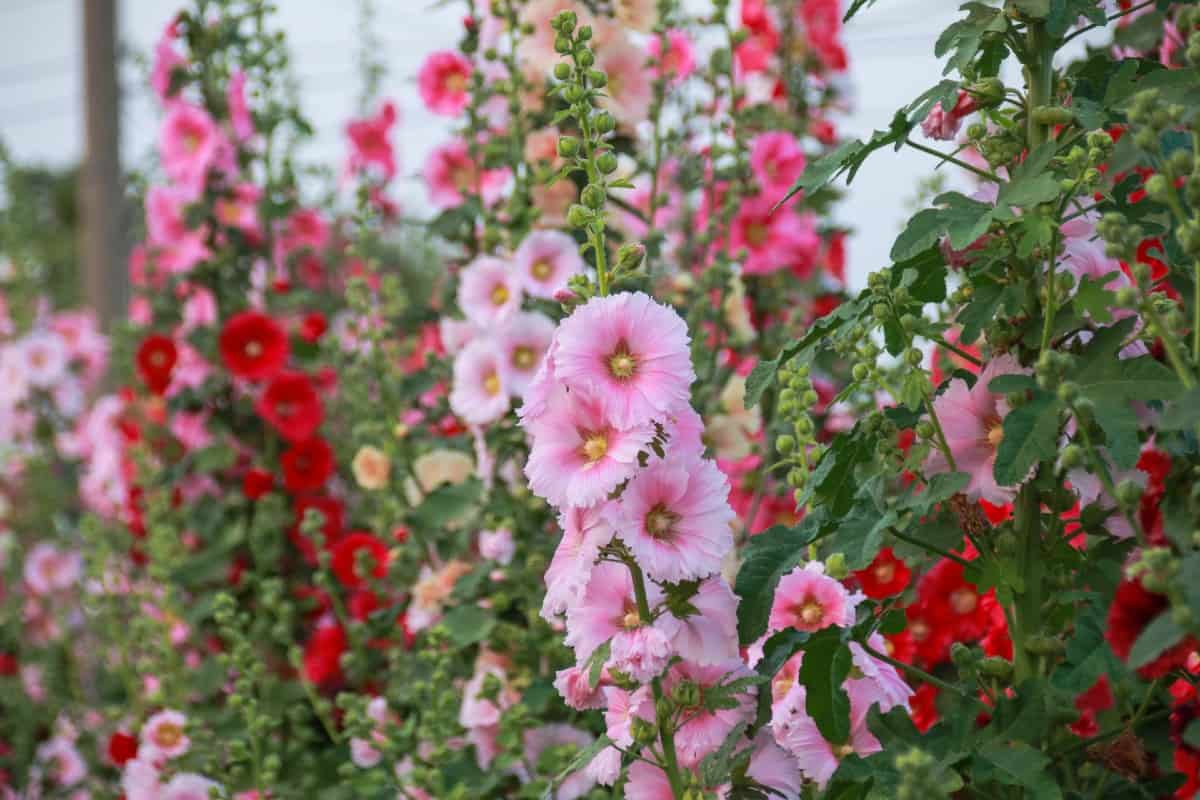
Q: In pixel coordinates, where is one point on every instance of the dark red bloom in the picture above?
(307, 465)
(332, 511)
(313, 326)
(291, 405)
(1133, 608)
(156, 359)
(323, 653)
(345, 558)
(1090, 703)
(253, 346)
(122, 747)
(8, 664)
(924, 707)
(953, 603)
(362, 603)
(256, 483)
(996, 642)
(885, 576)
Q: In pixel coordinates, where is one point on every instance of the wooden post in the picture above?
(105, 276)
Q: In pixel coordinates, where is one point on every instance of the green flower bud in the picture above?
(593, 196)
(585, 58)
(629, 256)
(860, 371)
(835, 566)
(607, 162)
(914, 356)
(585, 33)
(605, 122)
(562, 70)
(1053, 115)
(562, 45)
(785, 443)
(988, 92)
(996, 667)
(578, 216)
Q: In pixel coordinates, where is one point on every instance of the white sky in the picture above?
(890, 47)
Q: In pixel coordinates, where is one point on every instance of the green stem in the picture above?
(917, 672)
(942, 442)
(952, 160)
(963, 354)
(1027, 607)
(930, 547)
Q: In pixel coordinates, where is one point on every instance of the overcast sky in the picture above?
(890, 46)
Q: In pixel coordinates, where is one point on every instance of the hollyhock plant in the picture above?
(545, 260)
(488, 291)
(480, 394)
(452, 176)
(443, 82)
(291, 405)
(808, 600)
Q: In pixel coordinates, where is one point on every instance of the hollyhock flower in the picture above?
(972, 419)
(545, 261)
(291, 405)
(370, 143)
(703, 730)
(122, 748)
(256, 483)
(430, 592)
(573, 685)
(885, 576)
(488, 291)
(253, 345)
(630, 84)
(585, 531)
(497, 545)
(442, 466)
(952, 601)
(641, 652)
(823, 23)
(444, 81)
(189, 786)
(605, 767)
(647, 781)
(680, 59)
(777, 161)
(480, 395)
(48, 569)
(578, 456)
(942, 124)
(46, 358)
(1133, 609)
(524, 339)
(608, 612)
(538, 48)
(166, 60)
(708, 636)
(797, 733)
(371, 467)
(452, 175)
(478, 710)
(882, 684)
(191, 429)
(807, 599)
(163, 736)
(630, 353)
(239, 111)
(156, 357)
(774, 241)
(540, 739)
(307, 465)
(675, 517)
(323, 653)
(346, 557)
(771, 766)
(621, 708)
(189, 144)
(64, 765)
(239, 210)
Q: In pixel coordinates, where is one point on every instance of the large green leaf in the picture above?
(826, 665)
(1088, 655)
(468, 624)
(1030, 436)
(1017, 764)
(1160, 634)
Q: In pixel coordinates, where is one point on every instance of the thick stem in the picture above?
(1027, 608)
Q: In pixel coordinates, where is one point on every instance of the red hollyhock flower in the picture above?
(323, 653)
(307, 465)
(1133, 608)
(930, 638)
(8, 664)
(996, 642)
(256, 483)
(953, 603)
(156, 359)
(885, 576)
(253, 346)
(291, 405)
(362, 603)
(345, 558)
(122, 747)
(331, 531)
(313, 326)
(924, 707)
(1090, 703)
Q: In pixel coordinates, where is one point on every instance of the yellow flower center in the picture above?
(631, 620)
(885, 572)
(963, 601)
(541, 270)
(491, 384)
(167, 734)
(456, 82)
(523, 358)
(253, 348)
(811, 612)
(500, 294)
(595, 445)
(660, 522)
(995, 434)
(842, 750)
(756, 234)
(621, 363)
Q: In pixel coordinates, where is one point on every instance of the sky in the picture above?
(890, 47)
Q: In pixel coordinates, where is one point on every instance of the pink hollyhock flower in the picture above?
(605, 768)
(45, 358)
(574, 686)
(641, 652)
(189, 786)
(880, 683)
(1086, 258)
(538, 48)
(479, 395)
(578, 456)
(710, 635)
(191, 429)
(199, 310)
(48, 569)
(774, 768)
(240, 209)
(807, 599)
(622, 708)
(823, 23)
(680, 59)
(630, 353)
(647, 781)
(166, 60)
(165, 214)
(972, 418)
(364, 752)
(702, 730)
(451, 176)
(675, 517)
(239, 111)
(189, 143)
(478, 711)
(444, 82)
(455, 334)
(523, 340)
(630, 88)
(685, 432)
(777, 161)
(943, 125)
(163, 736)
(796, 732)
(139, 780)
(539, 740)
(607, 611)
(497, 545)
(488, 291)
(305, 229)
(774, 241)
(370, 143)
(546, 260)
(585, 531)
(64, 765)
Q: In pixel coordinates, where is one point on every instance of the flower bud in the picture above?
(607, 162)
(605, 122)
(562, 45)
(988, 92)
(578, 216)
(567, 146)
(593, 196)
(785, 443)
(562, 70)
(835, 566)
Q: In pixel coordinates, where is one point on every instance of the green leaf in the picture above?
(1013, 382)
(1120, 426)
(1088, 655)
(768, 556)
(1160, 634)
(1017, 764)
(826, 664)
(595, 663)
(855, 7)
(1123, 380)
(447, 504)
(1093, 300)
(1030, 435)
(929, 283)
(833, 480)
(468, 624)
(1191, 734)
(860, 532)
(581, 760)
(1183, 413)
(778, 648)
(716, 766)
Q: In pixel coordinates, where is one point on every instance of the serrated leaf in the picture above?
(1018, 764)
(1161, 634)
(1124, 380)
(1120, 426)
(826, 665)
(1030, 436)
(1088, 655)
(1012, 382)
(1183, 413)
(469, 624)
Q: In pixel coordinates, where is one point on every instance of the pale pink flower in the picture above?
(777, 161)
(808, 600)
(574, 685)
(497, 545)
(675, 517)
(641, 652)
(64, 765)
(538, 48)
(702, 730)
(189, 143)
(605, 768)
(680, 59)
(630, 89)
(880, 683)
(452, 175)
(188, 786)
(774, 768)
(942, 124)
(45, 358)
(48, 569)
(371, 145)
(639, 15)
(607, 611)
(578, 456)
(239, 111)
(585, 531)
(710, 635)
(523, 340)
(628, 351)
(685, 432)
(972, 419)
(774, 240)
(191, 429)
(623, 708)
(364, 752)
(647, 781)
(546, 260)
(444, 82)
(478, 711)
(455, 334)
(489, 291)
(538, 740)
(479, 395)
(797, 733)
(163, 735)
(139, 780)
